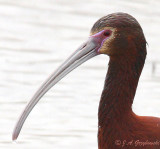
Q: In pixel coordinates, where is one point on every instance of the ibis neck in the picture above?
(115, 108)
(120, 87)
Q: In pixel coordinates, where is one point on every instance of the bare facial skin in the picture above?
(105, 45)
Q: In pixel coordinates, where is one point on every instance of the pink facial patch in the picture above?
(100, 37)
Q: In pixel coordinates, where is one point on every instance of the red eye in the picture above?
(107, 33)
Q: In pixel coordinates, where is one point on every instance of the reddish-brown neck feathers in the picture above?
(116, 119)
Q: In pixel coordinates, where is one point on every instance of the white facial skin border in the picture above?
(99, 34)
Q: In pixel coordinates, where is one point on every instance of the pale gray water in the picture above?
(35, 37)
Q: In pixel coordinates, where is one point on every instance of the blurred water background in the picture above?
(35, 38)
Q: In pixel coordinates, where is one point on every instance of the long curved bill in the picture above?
(85, 52)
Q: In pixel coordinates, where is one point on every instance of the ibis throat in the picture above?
(120, 85)
(115, 106)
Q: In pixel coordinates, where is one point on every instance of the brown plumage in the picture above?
(116, 120)
(120, 36)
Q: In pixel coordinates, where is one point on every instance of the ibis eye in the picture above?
(107, 33)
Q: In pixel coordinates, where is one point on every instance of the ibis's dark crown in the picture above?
(116, 20)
